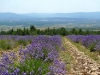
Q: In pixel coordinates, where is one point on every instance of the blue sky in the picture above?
(49, 6)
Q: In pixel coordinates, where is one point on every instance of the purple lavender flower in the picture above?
(43, 48)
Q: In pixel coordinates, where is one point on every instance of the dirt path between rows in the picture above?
(83, 65)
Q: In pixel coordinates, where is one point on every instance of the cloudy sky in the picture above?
(49, 6)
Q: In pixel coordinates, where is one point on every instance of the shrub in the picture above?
(33, 67)
(5, 45)
(22, 42)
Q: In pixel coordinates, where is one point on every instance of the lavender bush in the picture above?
(41, 57)
(13, 41)
(97, 47)
(89, 41)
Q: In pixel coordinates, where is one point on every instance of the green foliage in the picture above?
(36, 65)
(22, 42)
(5, 45)
(91, 47)
(60, 31)
(32, 28)
(63, 31)
(73, 31)
(80, 32)
(30, 41)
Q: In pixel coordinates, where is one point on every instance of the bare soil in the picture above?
(83, 65)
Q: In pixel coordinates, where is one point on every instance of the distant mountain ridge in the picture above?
(11, 16)
(87, 15)
(68, 15)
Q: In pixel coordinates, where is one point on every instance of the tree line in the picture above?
(59, 31)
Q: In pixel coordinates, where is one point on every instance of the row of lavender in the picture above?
(90, 41)
(11, 41)
(41, 57)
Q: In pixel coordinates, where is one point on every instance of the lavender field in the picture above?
(90, 41)
(38, 55)
(49, 55)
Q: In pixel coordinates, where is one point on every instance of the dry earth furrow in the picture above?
(83, 64)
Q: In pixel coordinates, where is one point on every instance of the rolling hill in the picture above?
(88, 15)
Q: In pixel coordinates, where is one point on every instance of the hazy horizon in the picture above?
(50, 13)
(49, 6)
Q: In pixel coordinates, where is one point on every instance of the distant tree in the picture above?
(87, 32)
(73, 31)
(62, 31)
(32, 28)
(98, 32)
(80, 31)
